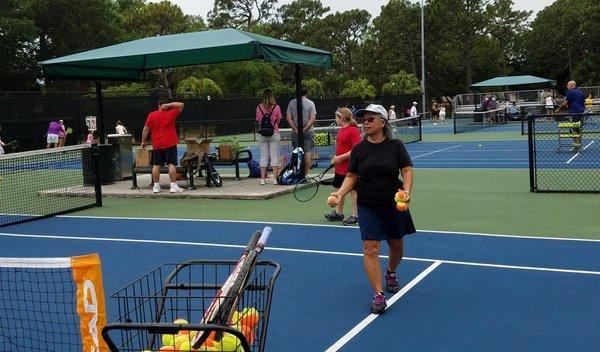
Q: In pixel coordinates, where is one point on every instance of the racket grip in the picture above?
(266, 232)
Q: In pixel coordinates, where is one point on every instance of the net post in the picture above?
(454, 121)
(420, 129)
(96, 170)
(531, 152)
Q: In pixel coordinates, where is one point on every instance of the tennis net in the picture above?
(48, 182)
(466, 121)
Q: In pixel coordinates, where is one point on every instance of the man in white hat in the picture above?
(413, 110)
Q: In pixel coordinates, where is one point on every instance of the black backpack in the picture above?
(293, 172)
(266, 128)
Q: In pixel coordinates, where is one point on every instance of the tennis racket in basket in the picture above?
(307, 188)
(225, 301)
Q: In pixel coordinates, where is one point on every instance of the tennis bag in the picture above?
(254, 168)
(293, 172)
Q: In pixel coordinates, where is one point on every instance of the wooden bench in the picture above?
(141, 165)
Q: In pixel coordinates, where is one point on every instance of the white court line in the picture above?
(436, 151)
(319, 225)
(584, 148)
(297, 250)
(369, 319)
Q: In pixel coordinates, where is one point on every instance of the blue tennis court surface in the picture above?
(461, 292)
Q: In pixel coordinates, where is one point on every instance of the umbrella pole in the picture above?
(100, 111)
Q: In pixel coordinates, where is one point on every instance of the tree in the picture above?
(358, 88)
(401, 83)
(298, 21)
(199, 87)
(246, 78)
(315, 87)
(17, 47)
(240, 13)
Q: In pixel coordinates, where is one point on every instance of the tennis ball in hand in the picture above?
(401, 206)
(400, 196)
(332, 201)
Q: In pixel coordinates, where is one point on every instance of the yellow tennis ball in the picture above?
(181, 339)
(235, 317)
(168, 340)
(184, 346)
(180, 321)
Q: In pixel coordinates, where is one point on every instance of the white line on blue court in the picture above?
(584, 148)
(298, 250)
(320, 225)
(436, 151)
(370, 318)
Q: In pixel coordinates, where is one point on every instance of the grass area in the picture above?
(486, 201)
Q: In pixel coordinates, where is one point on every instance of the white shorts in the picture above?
(52, 138)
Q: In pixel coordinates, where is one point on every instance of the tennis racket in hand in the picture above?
(224, 303)
(307, 188)
(13, 144)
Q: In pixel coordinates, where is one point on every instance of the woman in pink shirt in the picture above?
(268, 110)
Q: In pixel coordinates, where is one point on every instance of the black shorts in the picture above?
(380, 224)
(576, 118)
(165, 156)
(338, 179)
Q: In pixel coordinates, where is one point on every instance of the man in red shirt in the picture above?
(160, 124)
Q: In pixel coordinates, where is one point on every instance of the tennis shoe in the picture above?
(391, 282)
(156, 188)
(379, 304)
(263, 182)
(351, 220)
(176, 189)
(334, 216)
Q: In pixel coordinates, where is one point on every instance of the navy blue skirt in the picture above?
(380, 224)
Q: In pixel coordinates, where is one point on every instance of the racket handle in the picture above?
(262, 241)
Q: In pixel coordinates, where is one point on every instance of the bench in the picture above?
(141, 165)
(240, 156)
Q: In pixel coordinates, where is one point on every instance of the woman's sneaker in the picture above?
(379, 304)
(351, 220)
(391, 282)
(334, 216)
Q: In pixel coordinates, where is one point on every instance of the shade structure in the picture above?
(129, 61)
(513, 81)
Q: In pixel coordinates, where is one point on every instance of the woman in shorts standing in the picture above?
(269, 145)
(348, 136)
(374, 169)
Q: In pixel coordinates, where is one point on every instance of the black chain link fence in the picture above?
(564, 153)
(25, 116)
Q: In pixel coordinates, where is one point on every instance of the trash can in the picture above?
(106, 163)
(123, 155)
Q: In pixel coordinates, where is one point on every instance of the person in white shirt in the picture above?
(413, 110)
(392, 113)
(1, 145)
(549, 105)
(120, 128)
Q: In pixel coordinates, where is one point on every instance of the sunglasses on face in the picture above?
(369, 119)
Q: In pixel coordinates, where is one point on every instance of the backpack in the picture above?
(266, 127)
(254, 169)
(293, 171)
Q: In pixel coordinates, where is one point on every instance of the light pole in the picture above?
(423, 56)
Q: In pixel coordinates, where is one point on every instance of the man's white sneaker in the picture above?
(176, 189)
(262, 181)
(156, 188)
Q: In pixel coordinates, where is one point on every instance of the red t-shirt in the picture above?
(162, 128)
(347, 138)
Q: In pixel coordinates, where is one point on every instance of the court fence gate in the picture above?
(564, 153)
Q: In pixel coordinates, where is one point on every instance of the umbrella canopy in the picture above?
(513, 81)
(130, 60)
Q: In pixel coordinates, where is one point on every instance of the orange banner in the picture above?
(87, 274)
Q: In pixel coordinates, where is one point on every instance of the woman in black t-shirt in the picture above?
(374, 170)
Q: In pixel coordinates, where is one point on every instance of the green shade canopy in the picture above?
(513, 81)
(130, 60)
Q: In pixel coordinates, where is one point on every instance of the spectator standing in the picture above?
(435, 112)
(90, 138)
(309, 115)
(160, 125)
(549, 105)
(589, 103)
(52, 135)
(62, 134)
(269, 139)
(2, 144)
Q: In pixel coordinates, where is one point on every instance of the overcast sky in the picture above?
(201, 7)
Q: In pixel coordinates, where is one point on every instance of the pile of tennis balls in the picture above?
(401, 197)
(245, 321)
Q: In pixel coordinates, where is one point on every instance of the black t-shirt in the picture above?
(378, 167)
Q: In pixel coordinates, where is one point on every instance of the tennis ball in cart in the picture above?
(168, 340)
(332, 201)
